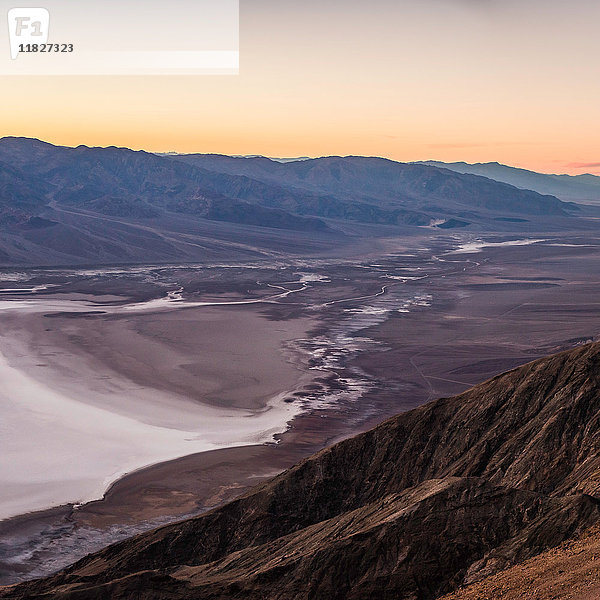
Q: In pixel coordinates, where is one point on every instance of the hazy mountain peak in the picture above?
(583, 188)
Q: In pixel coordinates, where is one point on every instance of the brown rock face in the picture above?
(443, 495)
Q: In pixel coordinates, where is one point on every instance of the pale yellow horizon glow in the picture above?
(451, 80)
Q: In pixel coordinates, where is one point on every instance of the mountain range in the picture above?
(62, 205)
(445, 496)
(584, 189)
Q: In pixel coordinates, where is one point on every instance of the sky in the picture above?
(452, 80)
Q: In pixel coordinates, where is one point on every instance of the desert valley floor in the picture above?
(238, 371)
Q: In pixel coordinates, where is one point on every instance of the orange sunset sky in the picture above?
(473, 80)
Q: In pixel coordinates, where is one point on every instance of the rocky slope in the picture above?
(433, 499)
(570, 571)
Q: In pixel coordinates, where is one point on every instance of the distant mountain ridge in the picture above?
(390, 184)
(572, 188)
(62, 205)
(438, 497)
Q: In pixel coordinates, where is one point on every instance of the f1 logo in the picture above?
(27, 26)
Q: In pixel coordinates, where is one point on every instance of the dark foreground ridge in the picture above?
(435, 498)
